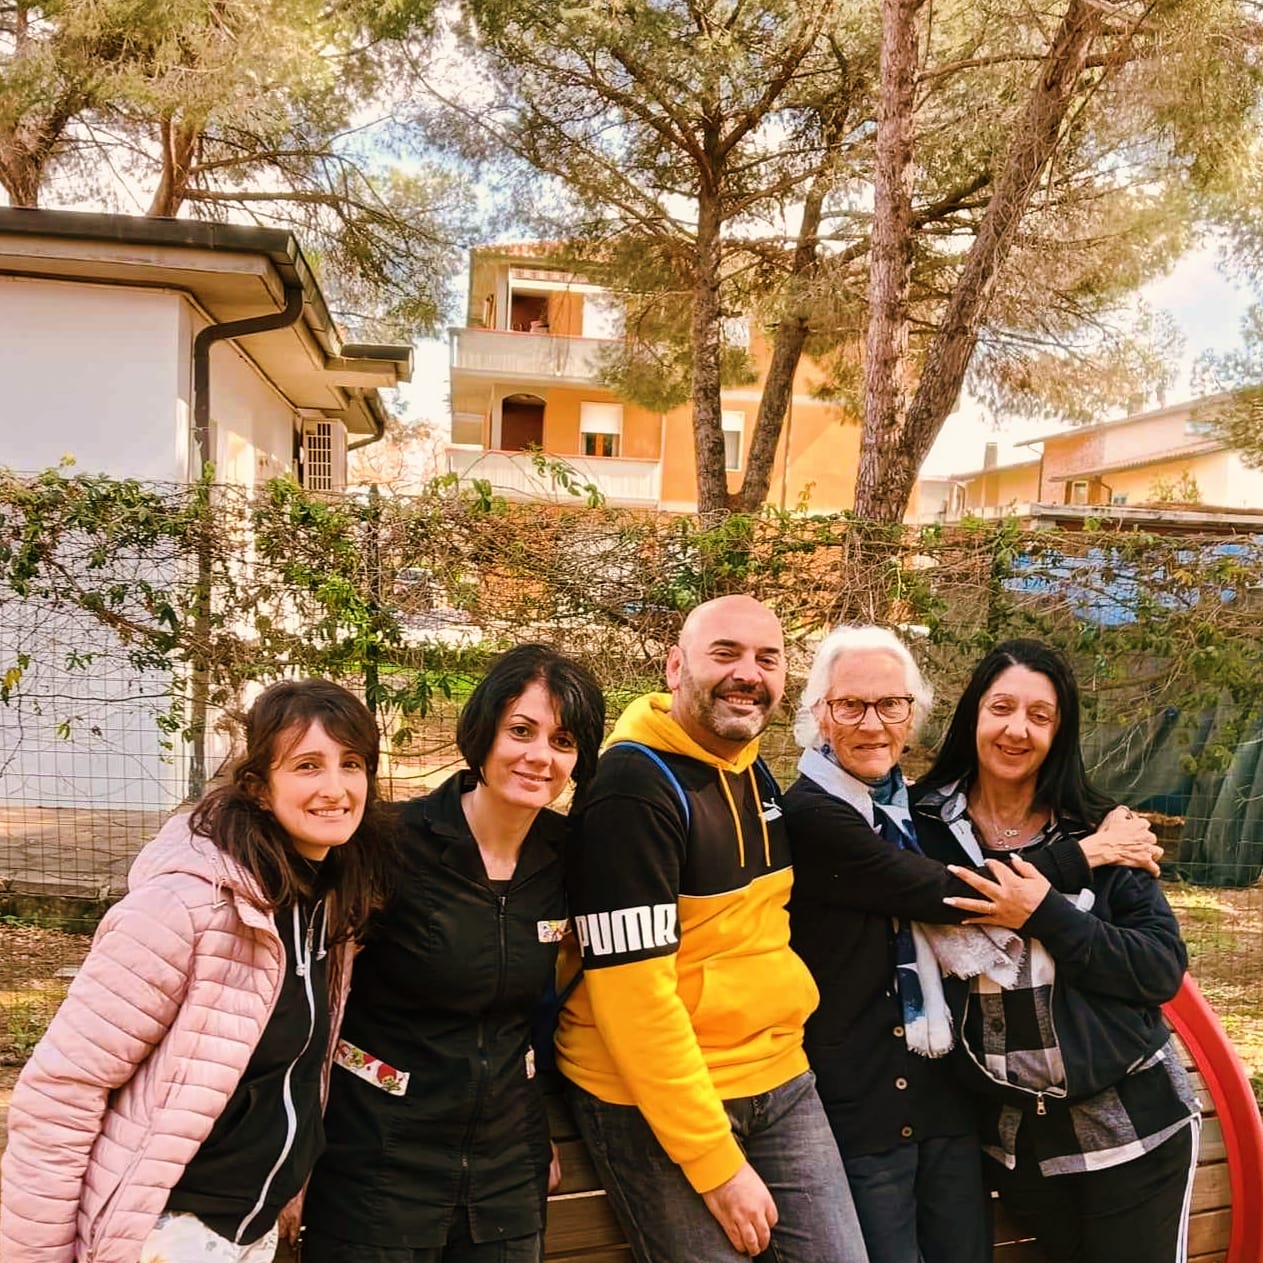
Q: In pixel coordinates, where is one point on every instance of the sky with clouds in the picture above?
(1207, 307)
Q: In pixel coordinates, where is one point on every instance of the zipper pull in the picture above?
(1040, 1107)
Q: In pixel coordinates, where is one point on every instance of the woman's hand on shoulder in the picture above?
(1124, 839)
(1010, 894)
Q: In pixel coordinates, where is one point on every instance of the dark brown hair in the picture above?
(235, 820)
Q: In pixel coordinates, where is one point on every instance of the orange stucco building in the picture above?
(525, 375)
(1164, 458)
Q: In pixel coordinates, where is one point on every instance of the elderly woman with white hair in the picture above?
(905, 1128)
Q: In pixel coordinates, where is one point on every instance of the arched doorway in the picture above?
(521, 422)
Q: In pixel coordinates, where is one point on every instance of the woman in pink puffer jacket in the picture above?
(173, 1108)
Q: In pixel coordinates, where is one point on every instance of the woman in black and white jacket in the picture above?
(905, 1126)
(1088, 1119)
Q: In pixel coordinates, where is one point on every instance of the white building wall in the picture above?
(253, 424)
(80, 728)
(105, 374)
(92, 371)
(1245, 486)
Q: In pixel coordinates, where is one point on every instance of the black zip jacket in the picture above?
(1115, 966)
(262, 1147)
(445, 991)
(848, 884)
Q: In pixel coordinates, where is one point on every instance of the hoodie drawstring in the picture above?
(322, 951)
(736, 817)
(301, 958)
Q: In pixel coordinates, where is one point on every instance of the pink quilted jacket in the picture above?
(141, 1058)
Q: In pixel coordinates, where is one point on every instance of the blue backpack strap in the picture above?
(672, 779)
(769, 781)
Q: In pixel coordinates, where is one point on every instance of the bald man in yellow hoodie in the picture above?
(683, 1042)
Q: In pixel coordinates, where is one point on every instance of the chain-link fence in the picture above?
(136, 622)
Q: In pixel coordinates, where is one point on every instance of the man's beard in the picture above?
(710, 713)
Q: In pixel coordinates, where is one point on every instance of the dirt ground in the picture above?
(1224, 932)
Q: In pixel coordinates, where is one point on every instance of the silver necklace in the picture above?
(1003, 837)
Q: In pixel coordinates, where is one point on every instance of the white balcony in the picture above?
(987, 513)
(530, 356)
(513, 475)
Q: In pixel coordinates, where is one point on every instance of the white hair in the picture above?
(851, 639)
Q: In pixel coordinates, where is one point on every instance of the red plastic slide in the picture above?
(1196, 1024)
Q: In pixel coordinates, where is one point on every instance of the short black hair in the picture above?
(1062, 784)
(573, 688)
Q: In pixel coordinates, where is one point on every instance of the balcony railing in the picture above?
(528, 355)
(513, 475)
(1013, 508)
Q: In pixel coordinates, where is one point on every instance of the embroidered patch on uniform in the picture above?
(771, 811)
(372, 1069)
(552, 931)
(530, 1063)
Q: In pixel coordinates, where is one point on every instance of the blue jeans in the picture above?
(923, 1203)
(787, 1140)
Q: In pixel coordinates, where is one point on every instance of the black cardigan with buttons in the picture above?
(848, 884)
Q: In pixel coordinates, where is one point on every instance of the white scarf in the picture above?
(962, 951)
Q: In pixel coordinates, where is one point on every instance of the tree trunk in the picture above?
(787, 350)
(21, 172)
(179, 148)
(778, 386)
(885, 497)
(890, 269)
(708, 434)
(25, 148)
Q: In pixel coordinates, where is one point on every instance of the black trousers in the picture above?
(460, 1248)
(1133, 1213)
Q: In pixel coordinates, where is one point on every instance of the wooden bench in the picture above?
(582, 1227)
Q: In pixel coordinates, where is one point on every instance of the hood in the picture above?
(648, 720)
(176, 849)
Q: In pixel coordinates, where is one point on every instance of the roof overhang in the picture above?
(1187, 407)
(1167, 457)
(230, 272)
(995, 469)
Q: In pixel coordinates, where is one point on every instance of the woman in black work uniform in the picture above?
(438, 1147)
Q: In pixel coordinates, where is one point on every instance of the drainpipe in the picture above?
(218, 333)
(199, 669)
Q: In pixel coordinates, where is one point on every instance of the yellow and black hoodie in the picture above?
(690, 993)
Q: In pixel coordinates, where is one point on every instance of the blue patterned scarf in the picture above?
(917, 982)
(893, 819)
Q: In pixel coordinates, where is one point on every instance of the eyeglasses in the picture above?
(851, 710)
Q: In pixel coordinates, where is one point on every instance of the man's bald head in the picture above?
(727, 673)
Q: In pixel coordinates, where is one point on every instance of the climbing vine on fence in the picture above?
(406, 597)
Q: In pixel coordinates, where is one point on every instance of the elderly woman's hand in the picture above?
(1012, 894)
(1125, 839)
